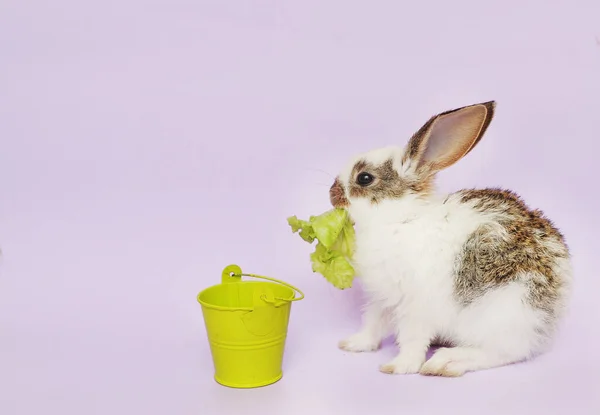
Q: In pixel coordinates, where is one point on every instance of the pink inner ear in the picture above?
(452, 135)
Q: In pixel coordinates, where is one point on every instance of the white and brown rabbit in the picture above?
(476, 270)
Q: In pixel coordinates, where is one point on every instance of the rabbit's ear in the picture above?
(449, 136)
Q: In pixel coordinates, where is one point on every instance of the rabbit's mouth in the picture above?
(337, 195)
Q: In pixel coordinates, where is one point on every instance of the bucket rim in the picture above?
(223, 308)
(233, 274)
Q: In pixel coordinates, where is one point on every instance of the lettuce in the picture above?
(334, 233)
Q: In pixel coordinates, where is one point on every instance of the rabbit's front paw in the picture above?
(360, 342)
(403, 364)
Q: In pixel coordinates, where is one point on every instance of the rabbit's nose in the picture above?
(336, 195)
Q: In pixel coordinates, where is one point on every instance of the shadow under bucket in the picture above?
(246, 323)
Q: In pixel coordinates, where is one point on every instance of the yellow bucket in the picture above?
(246, 323)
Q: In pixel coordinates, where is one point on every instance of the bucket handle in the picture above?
(234, 273)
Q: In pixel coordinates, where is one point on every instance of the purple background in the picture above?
(147, 144)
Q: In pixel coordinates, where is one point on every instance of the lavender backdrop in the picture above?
(147, 144)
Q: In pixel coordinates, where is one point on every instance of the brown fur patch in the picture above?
(527, 251)
(415, 144)
(387, 184)
(440, 341)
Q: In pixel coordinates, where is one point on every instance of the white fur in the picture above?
(405, 257)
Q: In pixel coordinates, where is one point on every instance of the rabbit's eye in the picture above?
(365, 179)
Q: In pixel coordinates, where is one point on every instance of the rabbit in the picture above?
(475, 271)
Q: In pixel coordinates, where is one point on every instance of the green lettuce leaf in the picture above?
(334, 233)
